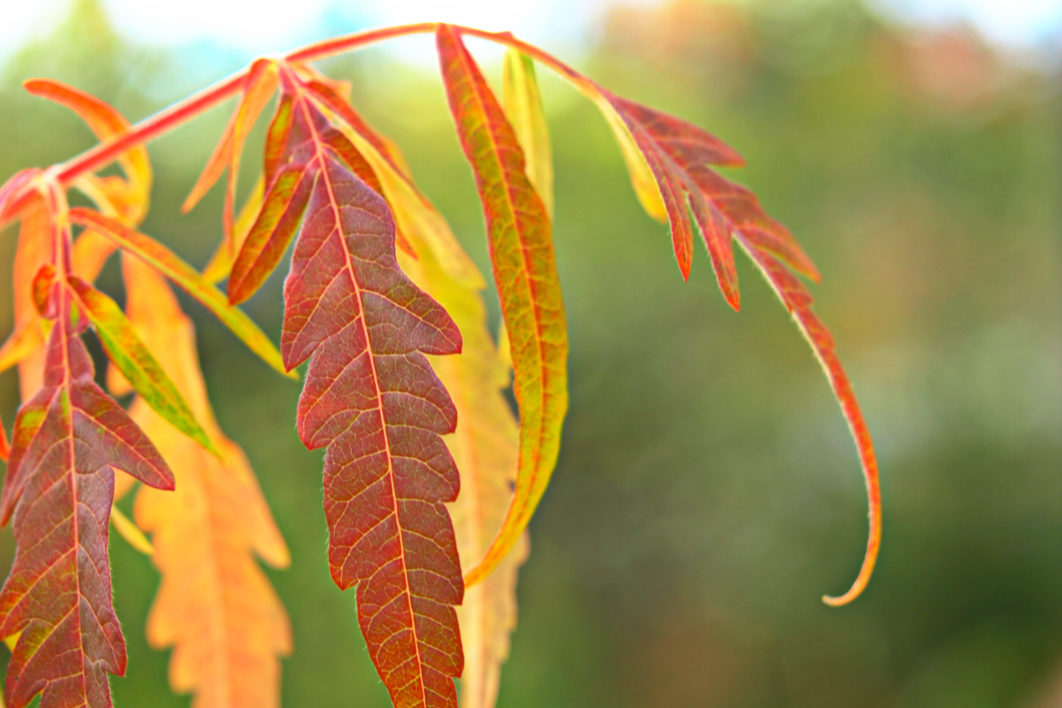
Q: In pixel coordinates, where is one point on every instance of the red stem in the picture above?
(182, 111)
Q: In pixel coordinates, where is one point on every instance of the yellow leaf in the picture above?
(484, 446)
(215, 606)
(522, 104)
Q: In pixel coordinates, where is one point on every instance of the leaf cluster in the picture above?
(429, 480)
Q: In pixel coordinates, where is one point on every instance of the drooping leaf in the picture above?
(521, 248)
(484, 446)
(126, 351)
(679, 154)
(169, 264)
(371, 399)
(215, 607)
(259, 84)
(68, 439)
(272, 232)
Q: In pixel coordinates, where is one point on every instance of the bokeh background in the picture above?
(707, 492)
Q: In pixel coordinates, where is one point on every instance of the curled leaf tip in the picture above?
(873, 544)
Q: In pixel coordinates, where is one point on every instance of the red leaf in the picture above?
(678, 153)
(372, 400)
(69, 438)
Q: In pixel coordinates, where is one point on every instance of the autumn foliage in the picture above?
(429, 479)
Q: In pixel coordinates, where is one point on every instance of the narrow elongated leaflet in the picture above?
(271, 233)
(672, 148)
(132, 194)
(798, 301)
(373, 402)
(126, 351)
(257, 88)
(68, 439)
(521, 248)
(215, 606)
(169, 264)
(522, 102)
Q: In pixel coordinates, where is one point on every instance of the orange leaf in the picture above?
(215, 606)
(258, 85)
(106, 123)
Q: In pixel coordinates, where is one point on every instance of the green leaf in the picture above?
(128, 353)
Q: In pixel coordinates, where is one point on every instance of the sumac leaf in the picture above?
(521, 248)
(371, 399)
(68, 440)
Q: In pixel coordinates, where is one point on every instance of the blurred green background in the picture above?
(707, 492)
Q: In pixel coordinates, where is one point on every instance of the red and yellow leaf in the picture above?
(272, 232)
(521, 248)
(169, 264)
(127, 352)
(68, 440)
(215, 607)
(798, 301)
(373, 402)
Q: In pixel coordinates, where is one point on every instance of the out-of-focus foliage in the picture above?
(920, 169)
